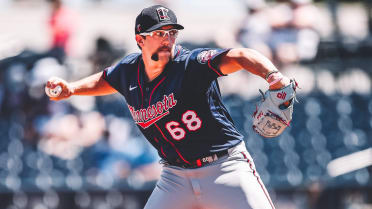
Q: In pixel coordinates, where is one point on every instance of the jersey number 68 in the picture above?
(190, 119)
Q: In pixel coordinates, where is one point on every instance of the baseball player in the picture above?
(174, 98)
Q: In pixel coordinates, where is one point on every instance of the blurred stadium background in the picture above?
(87, 153)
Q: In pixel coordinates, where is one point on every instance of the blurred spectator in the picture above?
(23, 75)
(104, 54)
(111, 151)
(62, 25)
(64, 136)
(293, 37)
(285, 32)
(255, 30)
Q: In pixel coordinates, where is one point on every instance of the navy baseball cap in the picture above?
(155, 17)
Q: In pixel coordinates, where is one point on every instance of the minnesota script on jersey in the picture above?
(180, 112)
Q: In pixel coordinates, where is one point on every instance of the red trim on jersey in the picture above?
(138, 78)
(162, 152)
(174, 147)
(258, 179)
(210, 66)
(198, 163)
(155, 88)
(156, 139)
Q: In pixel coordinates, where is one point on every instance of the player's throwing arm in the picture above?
(94, 85)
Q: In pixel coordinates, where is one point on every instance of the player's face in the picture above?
(160, 42)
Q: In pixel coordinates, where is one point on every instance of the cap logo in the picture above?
(162, 13)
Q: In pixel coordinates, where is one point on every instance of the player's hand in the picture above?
(281, 84)
(67, 90)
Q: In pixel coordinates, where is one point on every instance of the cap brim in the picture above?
(157, 26)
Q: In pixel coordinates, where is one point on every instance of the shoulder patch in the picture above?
(204, 56)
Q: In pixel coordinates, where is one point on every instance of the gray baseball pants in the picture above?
(230, 182)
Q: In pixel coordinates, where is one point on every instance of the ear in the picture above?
(140, 40)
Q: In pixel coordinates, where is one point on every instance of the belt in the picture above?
(200, 162)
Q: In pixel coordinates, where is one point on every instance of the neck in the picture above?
(153, 70)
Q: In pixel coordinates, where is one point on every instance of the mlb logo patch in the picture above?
(204, 56)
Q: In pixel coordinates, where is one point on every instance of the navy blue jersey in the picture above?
(180, 112)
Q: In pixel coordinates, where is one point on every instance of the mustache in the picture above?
(164, 48)
(155, 55)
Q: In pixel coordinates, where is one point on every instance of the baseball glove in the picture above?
(274, 113)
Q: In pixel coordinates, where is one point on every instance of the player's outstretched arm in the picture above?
(252, 61)
(93, 85)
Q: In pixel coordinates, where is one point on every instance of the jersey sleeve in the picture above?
(117, 75)
(113, 75)
(201, 66)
